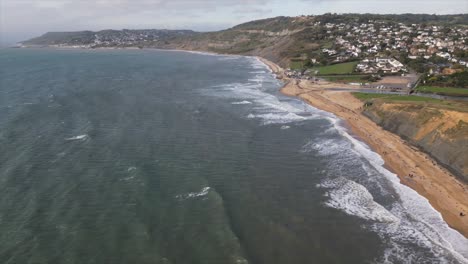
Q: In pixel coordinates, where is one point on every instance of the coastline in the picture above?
(447, 194)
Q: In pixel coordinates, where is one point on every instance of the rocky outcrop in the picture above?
(442, 133)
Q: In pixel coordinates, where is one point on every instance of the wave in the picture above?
(410, 219)
(266, 107)
(201, 193)
(355, 199)
(327, 147)
(204, 53)
(396, 226)
(241, 103)
(80, 137)
(258, 64)
(278, 118)
(207, 53)
(257, 80)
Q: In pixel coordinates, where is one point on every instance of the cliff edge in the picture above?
(442, 133)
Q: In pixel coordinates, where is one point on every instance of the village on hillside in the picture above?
(417, 41)
(375, 49)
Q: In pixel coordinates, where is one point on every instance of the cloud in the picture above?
(59, 13)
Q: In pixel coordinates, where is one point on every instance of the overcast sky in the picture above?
(21, 19)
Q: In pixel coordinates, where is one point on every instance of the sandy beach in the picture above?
(445, 192)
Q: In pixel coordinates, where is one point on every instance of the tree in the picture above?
(308, 64)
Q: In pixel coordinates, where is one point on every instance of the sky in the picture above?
(23, 19)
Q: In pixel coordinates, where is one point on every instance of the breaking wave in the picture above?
(241, 103)
(80, 137)
(258, 92)
(398, 227)
(355, 199)
(409, 218)
(201, 193)
(406, 221)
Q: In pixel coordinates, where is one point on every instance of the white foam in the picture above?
(131, 174)
(327, 147)
(229, 57)
(418, 222)
(266, 107)
(395, 226)
(129, 178)
(262, 77)
(204, 53)
(277, 118)
(80, 137)
(410, 219)
(355, 199)
(258, 64)
(241, 103)
(285, 127)
(203, 192)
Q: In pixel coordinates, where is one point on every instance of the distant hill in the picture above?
(280, 39)
(108, 38)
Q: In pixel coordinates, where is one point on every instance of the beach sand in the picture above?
(447, 194)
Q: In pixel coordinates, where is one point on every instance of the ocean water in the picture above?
(145, 156)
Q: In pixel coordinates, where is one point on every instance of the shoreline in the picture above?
(447, 194)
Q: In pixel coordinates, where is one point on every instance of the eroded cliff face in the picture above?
(271, 47)
(442, 133)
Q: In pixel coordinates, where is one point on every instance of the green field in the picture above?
(443, 90)
(414, 100)
(341, 68)
(297, 65)
(394, 97)
(347, 78)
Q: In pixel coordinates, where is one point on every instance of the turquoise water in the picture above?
(172, 157)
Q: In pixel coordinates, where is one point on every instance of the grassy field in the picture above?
(443, 90)
(297, 65)
(341, 68)
(347, 78)
(395, 97)
(413, 99)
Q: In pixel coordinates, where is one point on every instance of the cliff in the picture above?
(443, 133)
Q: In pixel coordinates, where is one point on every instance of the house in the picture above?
(444, 55)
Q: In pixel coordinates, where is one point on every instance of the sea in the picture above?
(150, 156)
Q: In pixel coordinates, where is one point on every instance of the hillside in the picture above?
(280, 39)
(108, 38)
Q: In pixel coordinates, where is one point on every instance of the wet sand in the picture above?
(447, 194)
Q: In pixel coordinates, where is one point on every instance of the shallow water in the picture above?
(172, 157)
